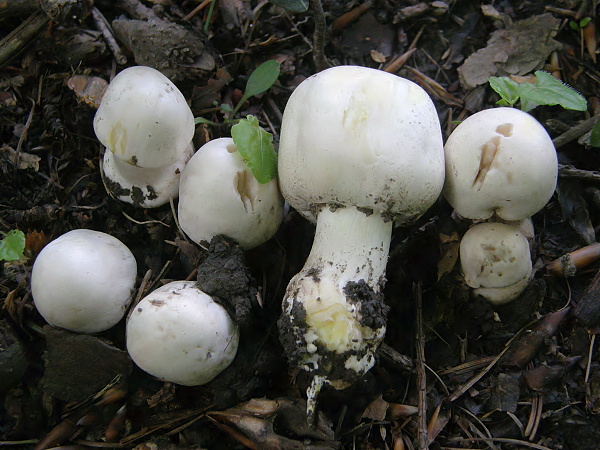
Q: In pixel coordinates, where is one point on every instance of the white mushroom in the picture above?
(359, 149)
(83, 280)
(144, 119)
(147, 128)
(499, 161)
(495, 261)
(179, 334)
(218, 195)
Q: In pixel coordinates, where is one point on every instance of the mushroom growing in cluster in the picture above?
(495, 261)
(219, 195)
(83, 281)
(359, 150)
(147, 128)
(180, 334)
(501, 165)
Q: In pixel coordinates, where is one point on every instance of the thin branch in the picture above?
(422, 436)
(106, 30)
(318, 43)
(576, 132)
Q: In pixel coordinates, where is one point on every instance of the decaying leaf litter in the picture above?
(453, 372)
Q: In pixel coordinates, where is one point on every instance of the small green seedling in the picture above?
(294, 6)
(12, 246)
(579, 26)
(546, 90)
(254, 143)
(259, 81)
(263, 77)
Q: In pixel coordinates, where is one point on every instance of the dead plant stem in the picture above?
(318, 43)
(422, 435)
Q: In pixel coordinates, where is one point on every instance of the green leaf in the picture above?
(574, 26)
(528, 105)
(259, 81)
(506, 88)
(295, 6)
(548, 90)
(256, 147)
(595, 136)
(262, 78)
(12, 246)
(583, 22)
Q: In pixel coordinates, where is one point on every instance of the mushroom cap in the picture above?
(495, 256)
(144, 119)
(146, 188)
(218, 195)
(83, 280)
(180, 334)
(499, 161)
(356, 136)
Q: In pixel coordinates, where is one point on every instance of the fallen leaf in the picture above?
(519, 49)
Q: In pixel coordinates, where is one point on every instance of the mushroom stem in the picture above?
(333, 311)
(353, 242)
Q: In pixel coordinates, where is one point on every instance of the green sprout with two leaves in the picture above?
(578, 26)
(547, 90)
(252, 141)
(12, 245)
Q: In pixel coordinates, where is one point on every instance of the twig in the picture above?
(345, 19)
(567, 171)
(589, 361)
(18, 8)
(22, 36)
(24, 134)
(137, 10)
(106, 30)
(15, 443)
(397, 63)
(318, 44)
(140, 292)
(197, 9)
(538, 417)
(468, 385)
(144, 222)
(576, 132)
(396, 359)
(422, 435)
(503, 440)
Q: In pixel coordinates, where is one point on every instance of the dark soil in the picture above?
(454, 372)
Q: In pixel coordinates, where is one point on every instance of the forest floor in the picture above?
(454, 371)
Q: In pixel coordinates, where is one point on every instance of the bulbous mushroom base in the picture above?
(333, 313)
(330, 334)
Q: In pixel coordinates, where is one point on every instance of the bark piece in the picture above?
(587, 309)
(78, 366)
(163, 45)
